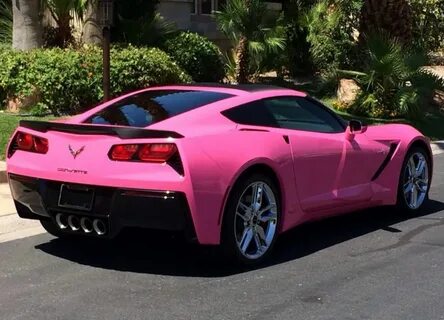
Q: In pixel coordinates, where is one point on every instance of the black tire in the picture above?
(402, 204)
(52, 229)
(229, 243)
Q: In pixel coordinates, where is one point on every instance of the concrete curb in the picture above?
(437, 148)
(3, 172)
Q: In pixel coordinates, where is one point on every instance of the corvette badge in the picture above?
(75, 153)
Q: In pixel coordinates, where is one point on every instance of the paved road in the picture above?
(370, 265)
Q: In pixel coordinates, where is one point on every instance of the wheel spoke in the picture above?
(244, 217)
(258, 243)
(243, 206)
(411, 167)
(256, 199)
(414, 197)
(269, 207)
(268, 217)
(421, 188)
(420, 168)
(408, 187)
(247, 236)
(260, 232)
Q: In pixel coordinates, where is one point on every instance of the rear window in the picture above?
(147, 108)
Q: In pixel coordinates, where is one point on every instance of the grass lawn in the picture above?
(8, 123)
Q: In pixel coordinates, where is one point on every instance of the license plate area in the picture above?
(76, 197)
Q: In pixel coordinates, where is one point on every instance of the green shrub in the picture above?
(330, 27)
(68, 81)
(393, 81)
(428, 27)
(198, 56)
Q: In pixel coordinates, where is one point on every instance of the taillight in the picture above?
(157, 152)
(28, 142)
(123, 152)
(151, 152)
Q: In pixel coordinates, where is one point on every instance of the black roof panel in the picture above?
(242, 87)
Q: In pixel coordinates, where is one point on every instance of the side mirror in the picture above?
(355, 127)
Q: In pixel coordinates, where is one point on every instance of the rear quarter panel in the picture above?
(215, 162)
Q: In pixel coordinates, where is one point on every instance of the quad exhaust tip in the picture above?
(62, 221)
(87, 225)
(99, 227)
(74, 223)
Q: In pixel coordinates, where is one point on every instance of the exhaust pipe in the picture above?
(87, 225)
(62, 221)
(74, 223)
(99, 227)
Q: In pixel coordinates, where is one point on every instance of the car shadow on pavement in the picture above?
(162, 253)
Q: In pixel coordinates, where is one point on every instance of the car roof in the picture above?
(242, 87)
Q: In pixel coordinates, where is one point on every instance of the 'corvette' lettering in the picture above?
(72, 171)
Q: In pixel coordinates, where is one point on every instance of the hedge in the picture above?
(198, 56)
(68, 81)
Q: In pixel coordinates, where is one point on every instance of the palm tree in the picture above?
(254, 32)
(92, 32)
(27, 29)
(393, 17)
(63, 11)
(5, 21)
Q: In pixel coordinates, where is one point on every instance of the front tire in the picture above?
(251, 219)
(414, 181)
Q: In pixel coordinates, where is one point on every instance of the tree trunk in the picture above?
(393, 17)
(27, 27)
(243, 60)
(64, 31)
(92, 33)
(243, 55)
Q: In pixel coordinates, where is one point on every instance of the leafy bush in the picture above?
(428, 28)
(330, 26)
(393, 81)
(197, 55)
(67, 81)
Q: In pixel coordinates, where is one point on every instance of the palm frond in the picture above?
(5, 21)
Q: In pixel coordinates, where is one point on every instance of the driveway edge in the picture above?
(3, 172)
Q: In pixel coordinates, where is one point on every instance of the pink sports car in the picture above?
(228, 165)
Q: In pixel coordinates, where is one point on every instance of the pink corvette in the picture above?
(228, 165)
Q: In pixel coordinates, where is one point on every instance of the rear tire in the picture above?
(414, 181)
(250, 227)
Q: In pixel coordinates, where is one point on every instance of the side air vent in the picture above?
(386, 161)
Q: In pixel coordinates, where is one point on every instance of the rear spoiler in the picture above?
(121, 132)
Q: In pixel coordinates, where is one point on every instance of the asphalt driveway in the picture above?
(374, 264)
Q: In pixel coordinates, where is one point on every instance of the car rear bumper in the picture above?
(117, 208)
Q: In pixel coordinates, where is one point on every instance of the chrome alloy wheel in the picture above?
(255, 221)
(416, 180)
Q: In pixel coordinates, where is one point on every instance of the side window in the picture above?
(302, 114)
(253, 113)
(288, 113)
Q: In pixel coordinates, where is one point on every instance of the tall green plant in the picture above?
(393, 80)
(428, 25)
(5, 21)
(254, 31)
(331, 26)
(151, 30)
(63, 11)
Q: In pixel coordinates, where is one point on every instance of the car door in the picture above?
(331, 170)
